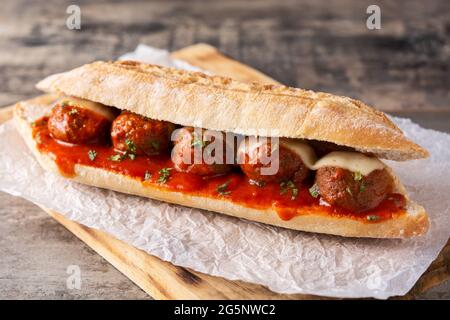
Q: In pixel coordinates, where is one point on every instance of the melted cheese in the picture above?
(352, 161)
(250, 144)
(304, 151)
(89, 105)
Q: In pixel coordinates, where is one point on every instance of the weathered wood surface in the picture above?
(402, 68)
(317, 45)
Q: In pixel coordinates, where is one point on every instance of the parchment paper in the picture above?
(285, 261)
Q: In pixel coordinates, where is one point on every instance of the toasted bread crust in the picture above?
(413, 223)
(218, 103)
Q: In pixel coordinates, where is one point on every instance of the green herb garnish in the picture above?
(131, 147)
(92, 154)
(314, 191)
(349, 191)
(33, 124)
(285, 186)
(222, 189)
(67, 103)
(130, 152)
(164, 175)
(357, 176)
(362, 187)
(294, 193)
(155, 144)
(373, 218)
(117, 157)
(197, 143)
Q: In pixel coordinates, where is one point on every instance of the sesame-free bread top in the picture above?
(219, 103)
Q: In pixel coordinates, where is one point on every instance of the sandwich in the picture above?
(283, 156)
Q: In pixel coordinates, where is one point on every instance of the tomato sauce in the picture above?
(235, 186)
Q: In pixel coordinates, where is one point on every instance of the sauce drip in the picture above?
(234, 186)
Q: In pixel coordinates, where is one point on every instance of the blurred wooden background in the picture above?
(320, 45)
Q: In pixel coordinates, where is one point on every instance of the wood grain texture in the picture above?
(163, 280)
(318, 45)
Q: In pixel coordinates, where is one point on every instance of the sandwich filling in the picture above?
(287, 175)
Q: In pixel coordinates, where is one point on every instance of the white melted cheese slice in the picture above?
(89, 105)
(352, 161)
(303, 150)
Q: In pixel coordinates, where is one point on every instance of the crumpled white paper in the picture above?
(286, 261)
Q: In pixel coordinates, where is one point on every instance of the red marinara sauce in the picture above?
(235, 186)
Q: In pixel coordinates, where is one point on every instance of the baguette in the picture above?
(217, 103)
(414, 222)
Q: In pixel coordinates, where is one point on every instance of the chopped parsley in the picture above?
(294, 193)
(147, 176)
(164, 175)
(129, 153)
(155, 144)
(362, 187)
(222, 189)
(314, 191)
(117, 157)
(131, 147)
(33, 124)
(357, 176)
(285, 186)
(92, 154)
(198, 141)
(349, 191)
(373, 218)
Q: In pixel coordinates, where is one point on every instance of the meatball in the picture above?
(142, 135)
(353, 191)
(194, 153)
(77, 125)
(323, 147)
(290, 165)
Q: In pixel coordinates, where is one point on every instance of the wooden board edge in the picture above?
(161, 279)
(201, 55)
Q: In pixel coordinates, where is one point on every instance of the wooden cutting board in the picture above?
(163, 280)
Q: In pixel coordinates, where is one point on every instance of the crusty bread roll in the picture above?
(414, 222)
(218, 103)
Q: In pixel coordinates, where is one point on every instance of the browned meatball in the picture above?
(353, 191)
(323, 147)
(142, 135)
(191, 153)
(77, 125)
(290, 165)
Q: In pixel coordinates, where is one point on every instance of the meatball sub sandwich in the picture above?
(273, 154)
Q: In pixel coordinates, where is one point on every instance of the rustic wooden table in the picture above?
(403, 68)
